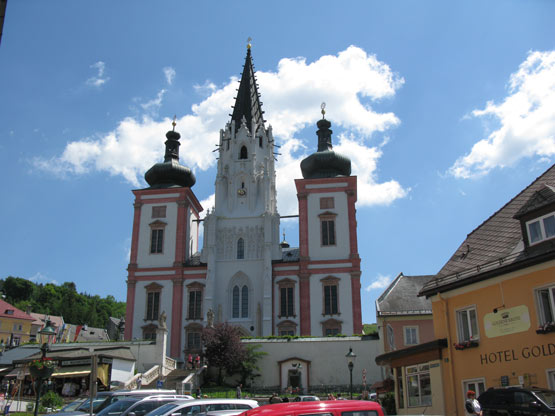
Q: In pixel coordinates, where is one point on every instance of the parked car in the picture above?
(517, 401)
(192, 407)
(306, 399)
(139, 406)
(327, 407)
(70, 407)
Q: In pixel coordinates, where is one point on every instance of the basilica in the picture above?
(243, 274)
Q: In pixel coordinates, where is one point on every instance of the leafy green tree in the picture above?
(248, 367)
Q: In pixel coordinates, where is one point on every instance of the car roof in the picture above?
(322, 405)
(145, 392)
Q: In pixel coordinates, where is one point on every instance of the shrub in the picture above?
(52, 400)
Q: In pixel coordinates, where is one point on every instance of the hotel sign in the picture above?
(507, 321)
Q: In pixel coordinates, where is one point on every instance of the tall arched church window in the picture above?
(240, 249)
(235, 301)
(244, 302)
(243, 154)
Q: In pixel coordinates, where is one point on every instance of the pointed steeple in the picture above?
(247, 102)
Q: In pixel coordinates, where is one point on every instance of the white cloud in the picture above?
(99, 79)
(41, 278)
(169, 73)
(381, 282)
(526, 120)
(154, 104)
(350, 83)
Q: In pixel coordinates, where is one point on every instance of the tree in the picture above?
(223, 348)
(248, 367)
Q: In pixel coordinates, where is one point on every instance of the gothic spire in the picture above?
(247, 102)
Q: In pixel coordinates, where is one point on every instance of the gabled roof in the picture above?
(247, 103)
(401, 297)
(40, 319)
(7, 310)
(496, 245)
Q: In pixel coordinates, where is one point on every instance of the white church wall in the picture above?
(328, 365)
(341, 248)
(345, 315)
(166, 295)
(167, 257)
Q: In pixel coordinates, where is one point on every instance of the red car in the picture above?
(319, 408)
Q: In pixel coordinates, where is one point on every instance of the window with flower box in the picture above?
(545, 299)
(467, 324)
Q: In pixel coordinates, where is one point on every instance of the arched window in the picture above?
(235, 309)
(240, 249)
(240, 302)
(260, 141)
(245, 302)
(243, 154)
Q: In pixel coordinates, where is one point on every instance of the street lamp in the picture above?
(351, 357)
(43, 371)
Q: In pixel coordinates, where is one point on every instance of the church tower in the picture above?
(163, 243)
(241, 233)
(329, 264)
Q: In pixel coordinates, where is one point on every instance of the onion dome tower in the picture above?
(170, 173)
(325, 163)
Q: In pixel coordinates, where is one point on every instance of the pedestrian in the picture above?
(472, 406)
(238, 391)
(274, 399)
(331, 396)
(198, 393)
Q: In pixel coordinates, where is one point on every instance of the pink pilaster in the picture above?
(177, 315)
(129, 309)
(357, 309)
(304, 302)
(181, 232)
(135, 235)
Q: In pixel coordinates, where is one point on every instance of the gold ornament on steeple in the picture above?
(173, 122)
(323, 107)
(249, 42)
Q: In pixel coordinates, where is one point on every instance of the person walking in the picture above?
(238, 392)
(472, 406)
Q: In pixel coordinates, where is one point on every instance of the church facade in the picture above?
(243, 275)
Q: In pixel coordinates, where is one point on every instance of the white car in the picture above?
(194, 407)
(306, 399)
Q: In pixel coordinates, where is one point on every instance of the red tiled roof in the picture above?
(6, 307)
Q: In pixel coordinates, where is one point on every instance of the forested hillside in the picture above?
(61, 300)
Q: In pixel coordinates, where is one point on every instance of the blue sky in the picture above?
(446, 110)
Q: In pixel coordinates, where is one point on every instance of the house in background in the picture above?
(56, 322)
(15, 325)
(493, 302)
(405, 325)
(403, 318)
(115, 328)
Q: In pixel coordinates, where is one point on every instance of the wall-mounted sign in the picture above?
(504, 381)
(507, 321)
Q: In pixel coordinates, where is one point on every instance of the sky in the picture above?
(446, 110)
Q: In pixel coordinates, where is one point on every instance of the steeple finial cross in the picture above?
(173, 122)
(323, 107)
(249, 42)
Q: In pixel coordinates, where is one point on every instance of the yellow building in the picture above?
(494, 300)
(15, 325)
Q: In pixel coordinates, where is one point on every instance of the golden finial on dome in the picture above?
(173, 122)
(323, 107)
(249, 42)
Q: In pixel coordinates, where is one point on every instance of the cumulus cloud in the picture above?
(351, 83)
(169, 73)
(381, 282)
(99, 79)
(526, 120)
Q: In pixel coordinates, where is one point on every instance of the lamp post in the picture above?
(44, 371)
(351, 357)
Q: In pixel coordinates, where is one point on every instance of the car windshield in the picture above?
(72, 406)
(97, 401)
(163, 409)
(546, 396)
(116, 408)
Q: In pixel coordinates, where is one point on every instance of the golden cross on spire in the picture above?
(173, 122)
(249, 42)
(323, 107)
